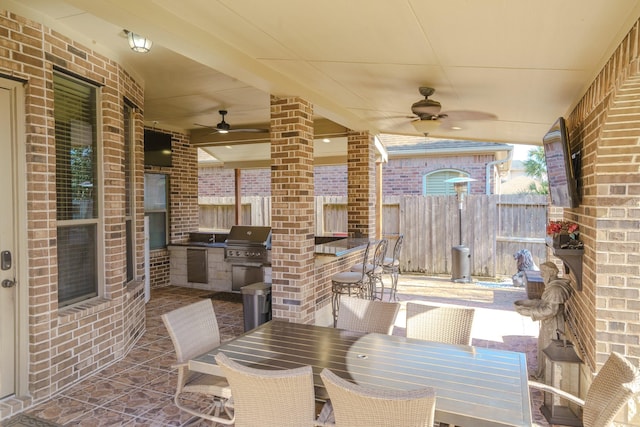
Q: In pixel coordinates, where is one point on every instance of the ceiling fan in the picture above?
(224, 127)
(427, 116)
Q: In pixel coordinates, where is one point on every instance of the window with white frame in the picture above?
(77, 188)
(434, 183)
(156, 207)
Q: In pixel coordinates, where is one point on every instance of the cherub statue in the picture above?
(549, 309)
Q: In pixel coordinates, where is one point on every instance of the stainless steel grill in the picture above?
(248, 252)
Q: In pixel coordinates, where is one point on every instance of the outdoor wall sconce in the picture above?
(138, 43)
(562, 371)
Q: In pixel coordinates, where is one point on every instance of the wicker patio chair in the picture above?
(617, 382)
(391, 266)
(358, 406)
(445, 324)
(194, 330)
(271, 398)
(349, 283)
(374, 269)
(363, 315)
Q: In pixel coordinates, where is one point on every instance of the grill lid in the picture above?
(249, 235)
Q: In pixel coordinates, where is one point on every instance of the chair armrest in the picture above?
(551, 389)
(326, 417)
(179, 365)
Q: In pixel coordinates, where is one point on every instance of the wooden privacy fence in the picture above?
(494, 227)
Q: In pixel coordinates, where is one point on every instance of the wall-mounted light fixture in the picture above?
(138, 43)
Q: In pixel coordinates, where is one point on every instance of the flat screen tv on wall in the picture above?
(562, 166)
(157, 148)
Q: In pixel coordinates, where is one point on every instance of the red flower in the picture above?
(563, 227)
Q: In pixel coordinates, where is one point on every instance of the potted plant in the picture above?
(564, 234)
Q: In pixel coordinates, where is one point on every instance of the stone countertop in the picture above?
(336, 248)
(199, 245)
(341, 247)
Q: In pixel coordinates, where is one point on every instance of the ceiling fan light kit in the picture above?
(425, 126)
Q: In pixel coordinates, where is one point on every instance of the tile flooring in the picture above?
(138, 390)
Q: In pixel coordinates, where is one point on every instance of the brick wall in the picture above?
(399, 177)
(361, 173)
(67, 344)
(183, 202)
(605, 126)
(292, 210)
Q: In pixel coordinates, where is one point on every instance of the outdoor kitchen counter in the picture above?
(342, 247)
(200, 245)
(337, 248)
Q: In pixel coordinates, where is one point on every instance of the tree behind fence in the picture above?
(494, 227)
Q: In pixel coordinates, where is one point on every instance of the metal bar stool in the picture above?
(391, 266)
(374, 270)
(349, 283)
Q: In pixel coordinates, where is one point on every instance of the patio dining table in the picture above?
(474, 386)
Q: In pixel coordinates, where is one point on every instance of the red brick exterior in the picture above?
(70, 343)
(604, 126)
(361, 173)
(292, 210)
(67, 344)
(400, 176)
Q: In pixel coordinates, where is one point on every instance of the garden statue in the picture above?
(524, 261)
(549, 309)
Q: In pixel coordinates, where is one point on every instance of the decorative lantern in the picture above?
(562, 371)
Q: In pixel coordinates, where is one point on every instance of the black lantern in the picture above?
(562, 371)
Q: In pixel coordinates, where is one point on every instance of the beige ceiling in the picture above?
(360, 62)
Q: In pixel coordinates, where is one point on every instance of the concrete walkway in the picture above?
(496, 323)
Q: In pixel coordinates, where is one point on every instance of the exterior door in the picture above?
(8, 292)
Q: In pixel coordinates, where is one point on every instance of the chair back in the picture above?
(365, 261)
(379, 253)
(445, 324)
(364, 315)
(398, 247)
(359, 406)
(617, 381)
(276, 398)
(193, 329)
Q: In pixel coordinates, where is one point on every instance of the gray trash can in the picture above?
(256, 304)
(461, 264)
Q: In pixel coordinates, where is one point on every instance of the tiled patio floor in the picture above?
(138, 390)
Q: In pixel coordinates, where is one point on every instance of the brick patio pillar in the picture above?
(292, 210)
(361, 185)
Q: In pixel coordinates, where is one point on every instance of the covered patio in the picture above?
(66, 231)
(138, 390)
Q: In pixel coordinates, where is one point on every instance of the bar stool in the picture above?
(374, 270)
(349, 283)
(391, 266)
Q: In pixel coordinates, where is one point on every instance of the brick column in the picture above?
(292, 210)
(361, 185)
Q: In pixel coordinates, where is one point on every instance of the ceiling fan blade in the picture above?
(254, 130)
(205, 126)
(461, 115)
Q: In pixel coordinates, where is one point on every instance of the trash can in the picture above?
(256, 304)
(461, 264)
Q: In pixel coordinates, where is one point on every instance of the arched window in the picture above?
(433, 184)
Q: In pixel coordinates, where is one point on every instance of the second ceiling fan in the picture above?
(224, 127)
